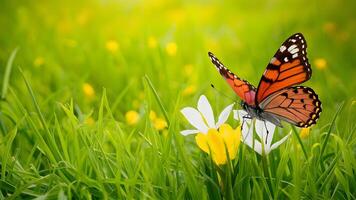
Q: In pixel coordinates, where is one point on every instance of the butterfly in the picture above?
(277, 98)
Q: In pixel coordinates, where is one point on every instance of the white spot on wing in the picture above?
(285, 59)
(293, 51)
(295, 55)
(272, 60)
(292, 47)
(283, 48)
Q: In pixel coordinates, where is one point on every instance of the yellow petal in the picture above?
(202, 142)
(304, 133)
(217, 147)
(88, 90)
(231, 138)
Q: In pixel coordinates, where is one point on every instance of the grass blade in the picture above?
(5, 83)
(158, 99)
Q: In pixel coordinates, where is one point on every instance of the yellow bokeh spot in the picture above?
(216, 141)
(320, 63)
(153, 115)
(90, 121)
(112, 46)
(88, 90)
(152, 42)
(159, 124)
(329, 27)
(38, 62)
(191, 89)
(171, 48)
(132, 117)
(304, 133)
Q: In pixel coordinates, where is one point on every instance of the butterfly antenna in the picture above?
(221, 93)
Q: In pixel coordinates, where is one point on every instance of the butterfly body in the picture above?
(277, 98)
(258, 113)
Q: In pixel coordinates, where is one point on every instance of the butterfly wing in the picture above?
(288, 67)
(242, 88)
(297, 105)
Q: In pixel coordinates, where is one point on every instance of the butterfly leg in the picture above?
(266, 130)
(244, 120)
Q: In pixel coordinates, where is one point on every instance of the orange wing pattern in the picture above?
(242, 88)
(297, 105)
(288, 67)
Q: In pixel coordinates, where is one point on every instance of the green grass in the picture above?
(58, 142)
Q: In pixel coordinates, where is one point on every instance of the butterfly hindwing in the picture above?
(297, 105)
(242, 88)
(288, 67)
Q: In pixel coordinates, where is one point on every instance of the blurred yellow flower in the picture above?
(88, 90)
(320, 63)
(217, 142)
(171, 48)
(189, 90)
(159, 124)
(304, 133)
(38, 62)
(152, 42)
(132, 117)
(90, 121)
(329, 27)
(112, 46)
(153, 115)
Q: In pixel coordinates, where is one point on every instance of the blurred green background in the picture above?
(112, 44)
(71, 50)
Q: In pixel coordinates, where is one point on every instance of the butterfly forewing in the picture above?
(297, 105)
(288, 67)
(242, 88)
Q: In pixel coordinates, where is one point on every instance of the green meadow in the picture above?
(91, 93)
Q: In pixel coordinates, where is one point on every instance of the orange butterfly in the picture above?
(276, 97)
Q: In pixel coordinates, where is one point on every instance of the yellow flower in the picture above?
(90, 121)
(153, 115)
(304, 133)
(159, 124)
(189, 90)
(216, 142)
(88, 90)
(38, 62)
(152, 42)
(112, 46)
(171, 48)
(320, 63)
(132, 117)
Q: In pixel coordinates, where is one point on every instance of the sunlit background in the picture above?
(72, 50)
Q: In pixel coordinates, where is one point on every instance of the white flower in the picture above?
(203, 117)
(247, 134)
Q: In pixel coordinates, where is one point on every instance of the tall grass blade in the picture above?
(5, 83)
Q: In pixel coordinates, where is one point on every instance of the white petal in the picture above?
(271, 128)
(224, 115)
(258, 147)
(261, 130)
(276, 144)
(247, 134)
(189, 132)
(194, 117)
(205, 109)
